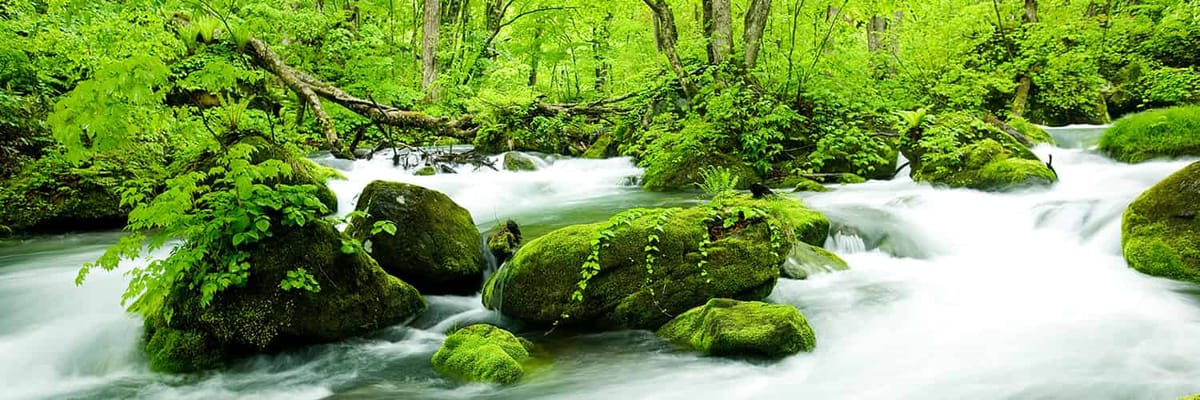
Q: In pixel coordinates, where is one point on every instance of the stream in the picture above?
(951, 294)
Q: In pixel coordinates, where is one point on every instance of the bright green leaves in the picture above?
(300, 279)
(113, 110)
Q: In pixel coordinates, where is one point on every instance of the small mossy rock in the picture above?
(1164, 133)
(437, 247)
(683, 172)
(356, 297)
(514, 161)
(601, 149)
(426, 171)
(802, 184)
(1160, 231)
(806, 260)
(1192, 397)
(726, 327)
(1035, 133)
(961, 151)
(505, 241)
(483, 353)
(538, 284)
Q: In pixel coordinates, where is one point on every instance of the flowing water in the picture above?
(952, 294)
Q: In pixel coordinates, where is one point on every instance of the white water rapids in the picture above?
(952, 294)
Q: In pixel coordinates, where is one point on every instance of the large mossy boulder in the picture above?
(483, 353)
(604, 147)
(1160, 231)
(682, 171)
(437, 247)
(1164, 133)
(726, 327)
(958, 150)
(50, 196)
(644, 266)
(356, 297)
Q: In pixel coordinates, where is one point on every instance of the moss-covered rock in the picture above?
(51, 195)
(806, 260)
(959, 150)
(514, 161)
(604, 147)
(427, 170)
(483, 353)
(682, 171)
(725, 327)
(356, 297)
(304, 171)
(504, 241)
(1160, 232)
(436, 248)
(802, 184)
(1035, 133)
(740, 259)
(1164, 133)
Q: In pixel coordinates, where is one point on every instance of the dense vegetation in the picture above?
(188, 120)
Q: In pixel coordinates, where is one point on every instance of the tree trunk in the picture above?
(718, 25)
(535, 57)
(756, 23)
(875, 33)
(1031, 11)
(667, 36)
(429, 43)
(600, 48)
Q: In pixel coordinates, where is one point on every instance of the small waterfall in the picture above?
(842, 243)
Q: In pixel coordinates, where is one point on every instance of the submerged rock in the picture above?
(725, 327)
(959, 150)
(514, 161)
(356, 297)
(1165, 133)
(483, 353)
(1160, 231)
(806, 259)
(683, 171)
(436, 248)
(651, 264)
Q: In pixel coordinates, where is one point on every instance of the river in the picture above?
(952, 294)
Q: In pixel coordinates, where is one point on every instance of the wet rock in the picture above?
(696, 254)
(806, 260)
(356, 297)
(725, 327)
(604, 147)
(958, 150)
(505, 241)
(1157, 237)
(514, 161)
(483, 353)
(437, 246)
(426, 171)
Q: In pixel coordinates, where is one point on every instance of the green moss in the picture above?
(850, 179)
(1160, 230)
(1192, 397)
(426, 171)
(514, 161)
(356, 297)
(1164, 133)
(50, 195)
(304, 171)
(682, 172)
(1035, 133)
(438, 249)
(962, 151)
(536, 286)
(602, 148)
(809, 185)
(482, 353)
(806, 259)
(725, 327)
(179, 351)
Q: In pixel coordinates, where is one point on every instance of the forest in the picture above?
(512, 185)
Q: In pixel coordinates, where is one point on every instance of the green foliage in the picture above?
(717, 181)
(1164, 133)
